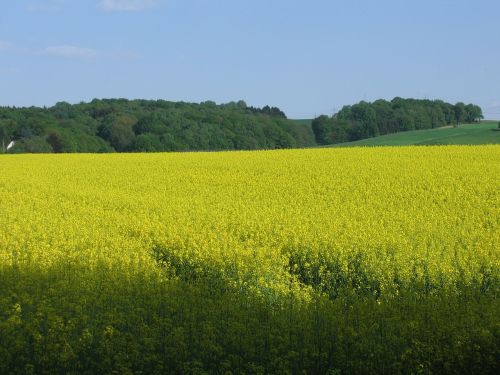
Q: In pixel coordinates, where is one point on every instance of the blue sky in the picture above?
(308, 57)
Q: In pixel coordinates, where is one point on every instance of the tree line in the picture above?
(365, 120)
(121, 125)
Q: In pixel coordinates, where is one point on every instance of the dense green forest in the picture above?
(145, 125)
(365, 120)
(121, 125)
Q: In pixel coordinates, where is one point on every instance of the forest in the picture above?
(366, 120)
(121, 125)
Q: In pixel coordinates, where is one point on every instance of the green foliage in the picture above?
(329, 130)
(460, 113)
(62, 322)
(146, 142)
(271, 111)
(366, 120)
(146, 125)
(7, 128)
(33, 145)
(118, 131)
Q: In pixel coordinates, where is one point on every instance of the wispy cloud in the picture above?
(126, 5)
(71, 52)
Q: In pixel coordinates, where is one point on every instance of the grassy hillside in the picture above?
(483, 133)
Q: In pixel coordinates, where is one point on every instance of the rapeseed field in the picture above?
(338, 261)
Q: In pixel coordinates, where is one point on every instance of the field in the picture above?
(467, 134)
(338, 261)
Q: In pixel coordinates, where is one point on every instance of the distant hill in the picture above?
(486, 132)
(121, 125)
(372, 119)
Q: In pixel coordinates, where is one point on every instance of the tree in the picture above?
(118, 130)
(320, 126)
(460, 113)
(66, 141)
(339, 131)
(384, 116)
(363, 120)
(7, 130)
(117, 125)
(403, 120)
(473, 113)
(55, 140)
(365, 116)
(33, 145)
(146, 142)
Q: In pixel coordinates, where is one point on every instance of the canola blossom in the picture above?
(362, 260)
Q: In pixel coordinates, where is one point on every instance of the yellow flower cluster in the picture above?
(374, 220)
(361, 260)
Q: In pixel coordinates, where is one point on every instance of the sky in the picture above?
(308, 57)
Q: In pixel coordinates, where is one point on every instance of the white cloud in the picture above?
(126, 5)
(70, 52)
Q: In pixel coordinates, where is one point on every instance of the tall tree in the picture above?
(118, 130)
(460, 113)
(7, 130)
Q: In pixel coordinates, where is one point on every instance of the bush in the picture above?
(33, 145)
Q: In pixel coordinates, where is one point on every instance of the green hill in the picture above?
(486, 132)
(123, 125)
